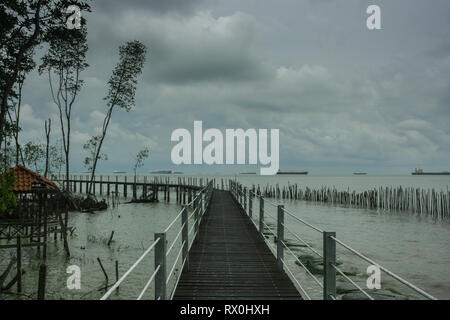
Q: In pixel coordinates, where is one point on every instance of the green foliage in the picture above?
(23, 25)
(140, 157)
(6, 156)
(56, 158)
(121, 92)
(34, 156)
(65, 59)
(91, 147)
(8, 200)
(122, 84)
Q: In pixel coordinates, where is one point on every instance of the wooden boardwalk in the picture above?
(230, 260)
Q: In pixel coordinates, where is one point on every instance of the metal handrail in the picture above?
(304, 267)
(352, 282)
(295, 279)
(237, 191)
(188, 204)
(303, 221)
(200, 194)
(265, 199)
(114, 287)
(173, 221)
(270, 230)
(405, 282)
(303, 241)
(175, 262)
(148, 282)
(204, 195)
(175, 239)
(289, 213)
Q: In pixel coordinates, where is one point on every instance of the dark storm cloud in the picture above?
(201, 48)
(156, 6)
(338, 92)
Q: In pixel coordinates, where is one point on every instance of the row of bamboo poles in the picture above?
(421, 201)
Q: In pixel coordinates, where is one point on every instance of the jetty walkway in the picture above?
(228, 242)
(230, 260)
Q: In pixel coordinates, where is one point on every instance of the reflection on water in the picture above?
(415, 248)
(134, 226)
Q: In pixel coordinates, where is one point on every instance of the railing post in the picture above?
(329, 259)
(250, 204)
(202, 205)
(280, 237)
(261, 216)
(160, 260)
(185, 235)
(245, 199)
(240, 195)
(196, 215)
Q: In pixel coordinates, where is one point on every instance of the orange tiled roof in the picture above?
(25, 178)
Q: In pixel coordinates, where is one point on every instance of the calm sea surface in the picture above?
(416, 248)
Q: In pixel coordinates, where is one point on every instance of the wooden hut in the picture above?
(29, 182)
(39, 212)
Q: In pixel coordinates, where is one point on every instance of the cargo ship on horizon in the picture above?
(161, 172)
(292, 172)
(419, 172)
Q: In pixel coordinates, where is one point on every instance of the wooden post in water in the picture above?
(41, 283)
(64, 230)
(39, 224)
(108, 187)
(144, 188)
(45, 227)
(134, 188)
(103, 269)
(101, 185)
(19, 264)
(117, 273)
(125, 186)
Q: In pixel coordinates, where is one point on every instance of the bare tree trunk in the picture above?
(48, 128)
(97, 151)
(10, 83)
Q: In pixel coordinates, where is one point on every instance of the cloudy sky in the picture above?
(344, 98)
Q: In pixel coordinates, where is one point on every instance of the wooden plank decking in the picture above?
(229, 260)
